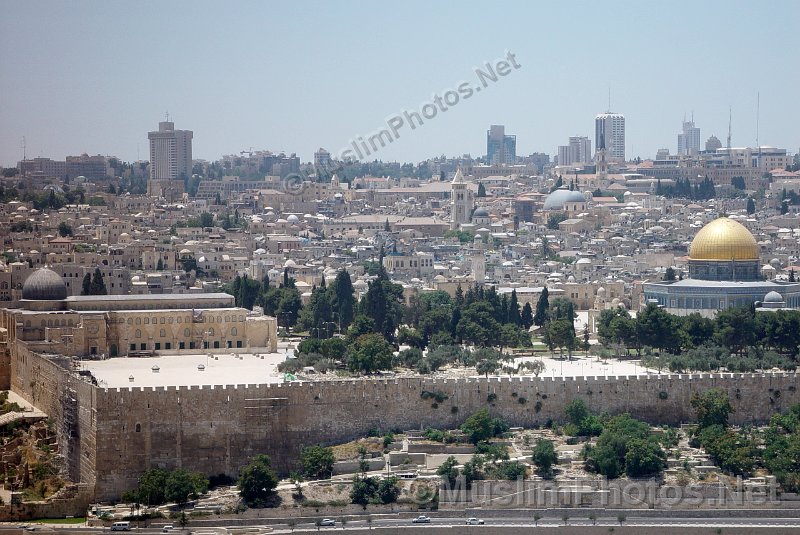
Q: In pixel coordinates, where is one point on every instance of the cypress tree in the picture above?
(86, 287)
(542, 308)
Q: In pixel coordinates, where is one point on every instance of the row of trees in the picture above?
(736, 329)
(683, 188)
(94, 284)
(744, 450)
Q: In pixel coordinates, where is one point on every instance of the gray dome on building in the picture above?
(44, 285)
(556, 200)
(773, 297)
(480, 212)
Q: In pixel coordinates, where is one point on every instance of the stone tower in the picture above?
(460, 201)
(478, 265)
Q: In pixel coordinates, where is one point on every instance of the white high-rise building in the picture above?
(609, 131)
(689, 140)
(170, 152)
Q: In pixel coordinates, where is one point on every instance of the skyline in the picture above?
(93, 84)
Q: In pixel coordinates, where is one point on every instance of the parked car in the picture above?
(475, 522)
(327, 522)
(167, 528)
(121, 526)
(422, 519)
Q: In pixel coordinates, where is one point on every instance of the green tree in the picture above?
(289, 306)
(64, 229)
(257, 481)
(481, 190)
(711, 407)
(98, 285)
(544, 456)
(669, 274)
(370, 353)
(657, 328)
(160, 265)
(317, 462)
(181, 484)
(644, 457)
(480, 426)
(561, 334)
(448, 470)
(735, 328)
(86, 285)
(527, 316)
(152, 484)
(751, 206)
(542, 308)
(344, 302)
(478, 325)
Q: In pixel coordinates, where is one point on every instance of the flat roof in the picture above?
(182, 370)
(150, 297)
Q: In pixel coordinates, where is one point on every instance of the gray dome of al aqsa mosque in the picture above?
(44, 285)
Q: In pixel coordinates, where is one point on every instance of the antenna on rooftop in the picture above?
(166, 115)
(609, 99)
(24, 149)
(758, 116)
(729, 128)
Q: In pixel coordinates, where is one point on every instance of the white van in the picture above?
(121, 526)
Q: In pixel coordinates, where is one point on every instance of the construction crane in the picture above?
(248, 152)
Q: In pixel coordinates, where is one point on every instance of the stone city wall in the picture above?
(111, 436)
(218, 429)
(69, 401)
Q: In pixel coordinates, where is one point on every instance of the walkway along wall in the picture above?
(123, 432)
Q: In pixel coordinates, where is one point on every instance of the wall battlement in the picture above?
(345, 383)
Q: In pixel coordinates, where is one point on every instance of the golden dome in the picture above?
(724, 239)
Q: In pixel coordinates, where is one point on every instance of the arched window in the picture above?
(186, 333)
(138, 428)
(234, 331)
(138, 333)
(162, 333)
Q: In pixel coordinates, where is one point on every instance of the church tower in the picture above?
(600, 158)
(460, 201)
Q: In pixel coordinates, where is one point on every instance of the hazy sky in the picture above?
(95, 76)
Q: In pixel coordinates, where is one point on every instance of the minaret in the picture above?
(478, 266)
(460, 201)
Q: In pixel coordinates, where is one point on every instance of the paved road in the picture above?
(443, 521)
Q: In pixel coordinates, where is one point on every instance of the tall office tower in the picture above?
(170, 160)
(500, 148)
(322, 161)
(611, 127)
(579, 150)
(689, 140)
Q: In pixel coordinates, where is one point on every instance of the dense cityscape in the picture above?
(573, 337)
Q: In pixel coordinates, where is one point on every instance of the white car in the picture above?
(475, 522)
(167, 528)
(327, 522)
(422, 519)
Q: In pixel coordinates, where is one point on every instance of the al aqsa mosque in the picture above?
(724, 272)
